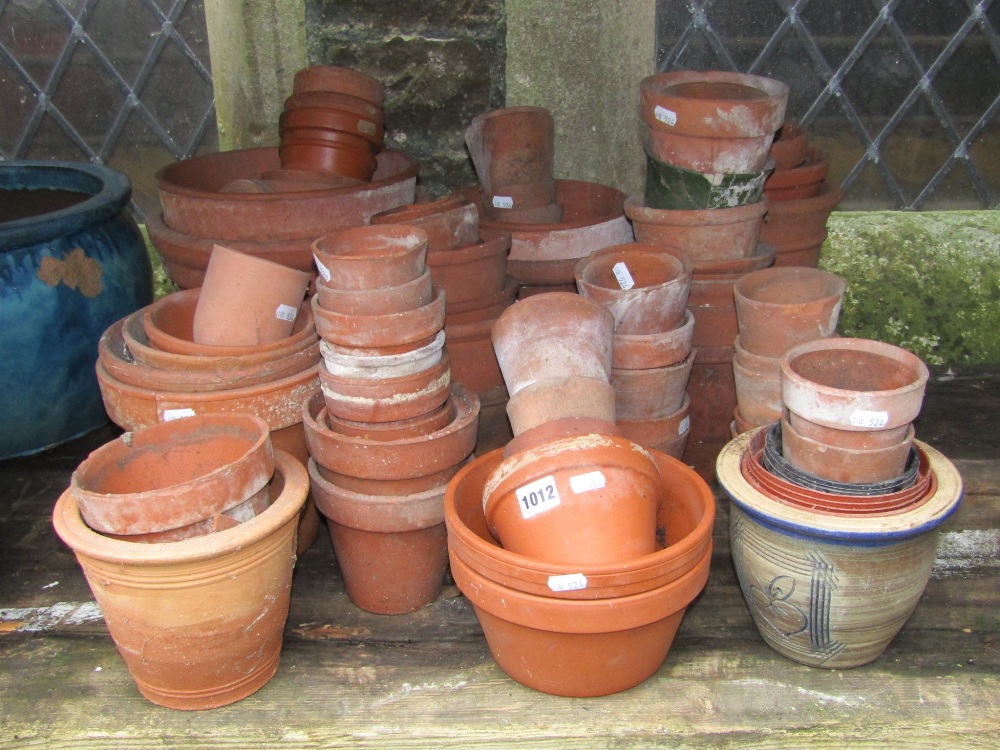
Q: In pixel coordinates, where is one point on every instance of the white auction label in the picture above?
(568, 582)
(664, 115)
(169, 415)
(537, 497)
(503, 201)
(286, 312)
(323, 270)
(872, 419)
(684, 426)
(592, 480)
(625, 280)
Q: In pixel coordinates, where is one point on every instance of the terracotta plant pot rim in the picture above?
(812, 170)
(489, 248)
(636, 210)
(362, 363)
(367, 330)
(562, 187)
(828, 198)
(639, 351)
(422, 210)
(847, 529)
(339, 80)
(283, 509)
(745, 289)
(507, 294)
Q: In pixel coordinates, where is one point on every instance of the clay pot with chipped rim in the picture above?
(713, 122)
(667, 434)
(472, 272)
(711, 234)
(366, 257)
(788, 149)
(381, 300)
(644, 288)
(552, 335)
(803, 181)
(588, 499)
(650, 393)
(361, 362)
(391, 549)
(853, 384)
(797, 228)
(512, 146)
(559, 398)
(650, 350)
(780, 308)
(198, 622)
(420, 324)
(451, 222)
(339, 80)
(393, 459)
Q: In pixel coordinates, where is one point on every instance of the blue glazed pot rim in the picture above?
(864, 530)
(108, 190)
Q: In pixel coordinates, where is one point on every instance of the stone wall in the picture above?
(442, 63)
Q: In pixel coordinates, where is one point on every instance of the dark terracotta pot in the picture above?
(558, 398)
(450, 222)
(797, 228)
(788, 149)
(371, 130)
(391, 329)
(667, 434)
(327, 159)
(652, 393)
(367, 257)
(512, 146)
(494, 427)
(803, 181)
(650, 350)
(339, 80)
(379, 300)
(712, 390)
(473, 272)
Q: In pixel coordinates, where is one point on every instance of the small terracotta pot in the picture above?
(450, 222)
(246, 300)
(391, 329)
(512, 146)
(651, 350)
(644, 288)
(390, 487)
(390, 399)
(198, 622)
(391, 550)
(667, 434)
(853, 384)
(713, 122)
(473, 272)
(393, 459)
(366, 257)
(371, 129)
(174, 474)
(853, 465)
(339, 80)
(652, 393)
(798, 227)
(780, 308)
(788, 149)
(803, 181)
(558, 398)
(360, 362)
(710, 234)
(553, 335)
(422, 424)
(381, 300)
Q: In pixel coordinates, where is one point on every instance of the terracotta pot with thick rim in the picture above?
(652, 393)
(381, 330)
(367, 257)
(649, 350)
(803, 181)
(380, 300)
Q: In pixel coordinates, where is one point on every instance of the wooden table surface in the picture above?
(348, 678)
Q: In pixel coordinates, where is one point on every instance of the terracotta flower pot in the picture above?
(370, 129)
(713, 122)
(558, 398)
(334, 100)
(667, 434)
(199, 622)
(334, 159)
(379, 300)
(553, 335)
(401, 429)
(366, 257)
(475, 271)
(712, 393)
(487, 307)
(173, 474)
(247, 300)
(512, 146)
(788, 149)
(339, 80)
(803, 181)
(390, 487)
(853, 384)
(473, 359)
(758, 394)
(381, 330)
(644, 288)
(847, 438)
(797, 228)
(360, 362)
(557, 429)
(650, 350)
(807, 577)
(587, 499)
(391, 550)
(515, 200)
(450, 222)
(780, 308)
(652, 393)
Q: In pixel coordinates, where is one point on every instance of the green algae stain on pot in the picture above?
(928, 282)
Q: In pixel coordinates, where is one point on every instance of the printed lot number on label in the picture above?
(537, 497)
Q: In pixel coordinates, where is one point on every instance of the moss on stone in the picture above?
(929, 282)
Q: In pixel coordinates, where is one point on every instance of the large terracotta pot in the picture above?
(198, 622)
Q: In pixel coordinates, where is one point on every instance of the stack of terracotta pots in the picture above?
(777, 309)
(473, 275)
(332, 124)
(801, 199)
(646, 290)
(836, 500)
(391, 427)
(186, 532)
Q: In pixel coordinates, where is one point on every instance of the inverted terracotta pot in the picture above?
(192, 204)
(651, 350)
(391, 550)
(853, 384)
(684, 531)
(710, 234)
(379, 300)
(788, 149)
(359, 362)
(473, 272)
(370, 129)
(422, 424)
(512, 146)
(803, 181)
(392, 329)
(173, 474)
(652, 393)
(450, 222)
(339, 80)
(780, 308)
(368, 257)
(553, 335)
(558, 398)
(714, 121)
(586, 499)
(395, 459)
(199, 622)
(644, 288)
(800, 224)
(758, 394)
(667, 434)
(387, 400)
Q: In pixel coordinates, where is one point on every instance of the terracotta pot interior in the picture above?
(646, 269)
(853, 370)
(714, 90)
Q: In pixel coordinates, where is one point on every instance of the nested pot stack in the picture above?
(186, 532)
(646, 290)
(391, 427)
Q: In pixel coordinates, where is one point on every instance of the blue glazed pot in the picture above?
(71, 264)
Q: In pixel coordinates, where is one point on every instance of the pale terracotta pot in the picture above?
(381, 300)
(650, 350)
(366, 257)
(423, 424)
(381, 330)
(450, 222)
(360, 362)
(758, 394)
(512, 146)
